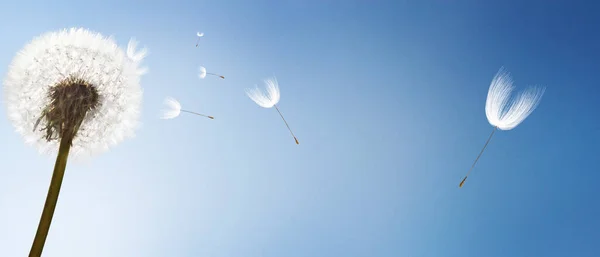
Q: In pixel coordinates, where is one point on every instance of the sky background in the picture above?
(387, 99)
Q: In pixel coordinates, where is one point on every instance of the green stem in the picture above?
(51, 198)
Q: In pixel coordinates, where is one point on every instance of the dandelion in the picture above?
(174, 109)
(504, 114)
(202, 73)
(72, 92)
(270, 99)
(199, 36)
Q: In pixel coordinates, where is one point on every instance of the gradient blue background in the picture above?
(387, 100)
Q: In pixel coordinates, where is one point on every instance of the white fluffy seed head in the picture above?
(55, 56)
(268, 100)
(201, 72)
(506, 113)
(173, 109)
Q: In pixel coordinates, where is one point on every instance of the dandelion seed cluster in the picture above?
(71, 100)
(90, 57)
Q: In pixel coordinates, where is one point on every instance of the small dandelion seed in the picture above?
(270, 99)
(174, 109)
(504, 114)
(202, 73)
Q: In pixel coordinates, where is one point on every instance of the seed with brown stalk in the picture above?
(270, 99)
(174, 109)
(202, 73)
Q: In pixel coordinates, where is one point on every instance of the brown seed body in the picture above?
(71, 100)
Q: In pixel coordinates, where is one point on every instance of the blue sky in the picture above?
(387, 100)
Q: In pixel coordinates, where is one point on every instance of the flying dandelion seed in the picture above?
(199, 36)
(174, 109)
(202, 73)
(504, 114)
(72, 92)
(137, 56)
(270, 99)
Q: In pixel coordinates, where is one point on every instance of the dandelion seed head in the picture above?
(199, 34)
(504, 112)
(76, 61)
(173, 109)
(268, 99)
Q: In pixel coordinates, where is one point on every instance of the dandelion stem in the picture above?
(286, 124)
(477, 159)
(199, 114)
(51, 198)
(214, 74)
(72, 98)
(198, 42)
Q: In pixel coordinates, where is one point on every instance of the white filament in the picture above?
(201, 72)
(272, 96)
(173, 109)
(506, 113)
